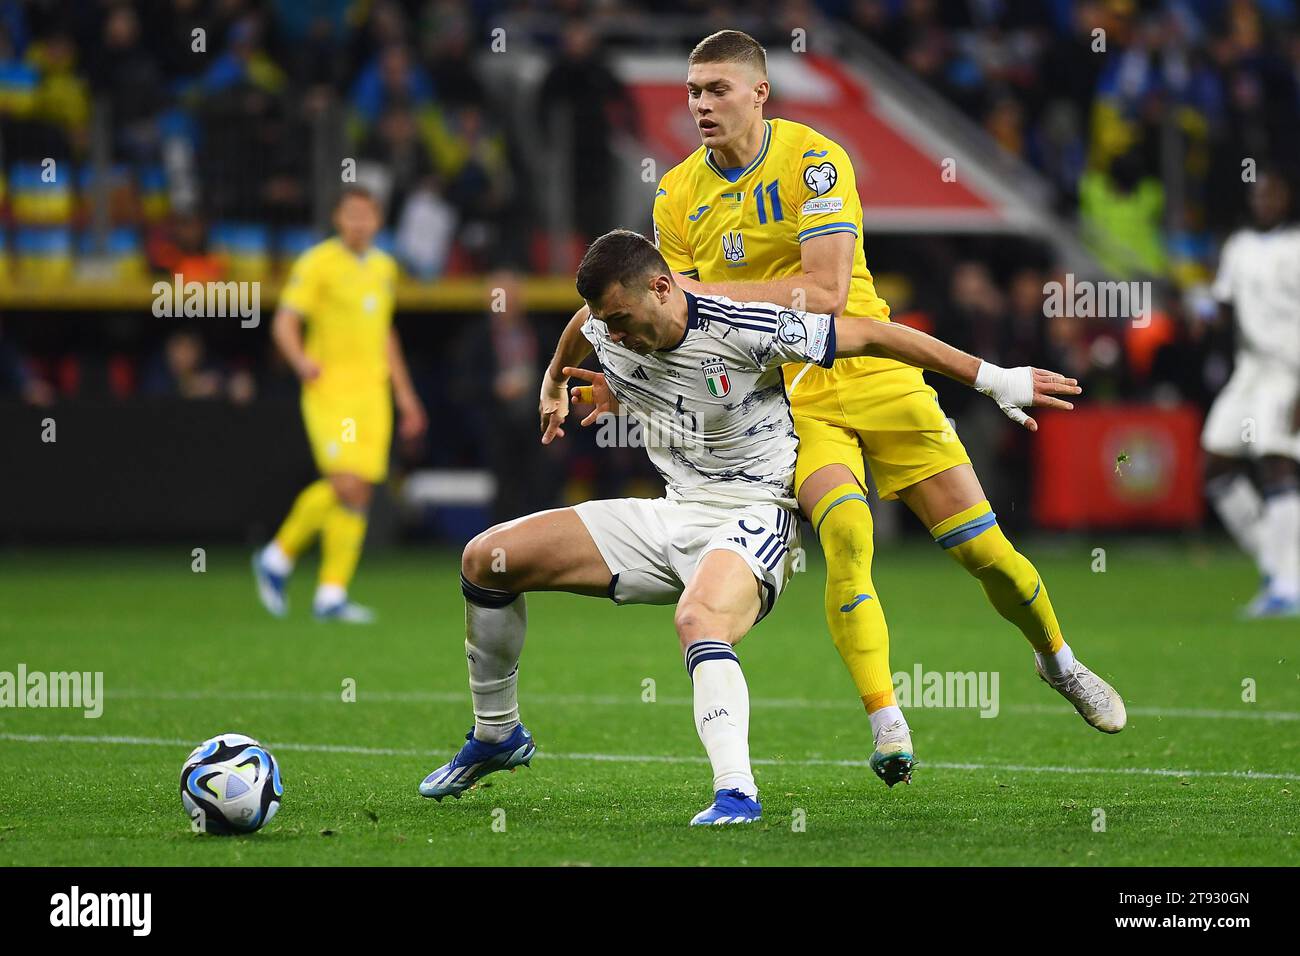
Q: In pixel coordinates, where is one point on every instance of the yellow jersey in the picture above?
(346, 301)
(748, 225)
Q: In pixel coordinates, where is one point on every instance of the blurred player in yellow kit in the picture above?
(768, 210)
(350, 357)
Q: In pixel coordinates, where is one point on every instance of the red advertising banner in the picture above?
(1119, 466)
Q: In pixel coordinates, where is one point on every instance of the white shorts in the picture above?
(1251, 417)
(653, 545)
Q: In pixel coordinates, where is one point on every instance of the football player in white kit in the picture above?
(1256, 418)
(702, 375)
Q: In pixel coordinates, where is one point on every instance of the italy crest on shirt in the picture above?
(715, 377)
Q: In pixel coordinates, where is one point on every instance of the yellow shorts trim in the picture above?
(349, 433)
(880, 416)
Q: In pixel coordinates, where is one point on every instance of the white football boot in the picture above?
(1096, 701)
(894, 758)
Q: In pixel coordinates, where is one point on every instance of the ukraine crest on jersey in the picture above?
(748, 225)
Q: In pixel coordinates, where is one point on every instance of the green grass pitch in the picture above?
(1199, 777)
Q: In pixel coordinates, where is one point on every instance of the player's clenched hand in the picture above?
(1017, 388)
(596, 392)
(553, 407)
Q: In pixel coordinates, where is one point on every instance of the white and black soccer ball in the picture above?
(230, 784)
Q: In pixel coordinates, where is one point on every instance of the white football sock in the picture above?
(722, 713)
(1240, 508)
(883, 717)
(1280, 543)
(276, 561)
(328, 595)
(494, 639)
(1058, 664)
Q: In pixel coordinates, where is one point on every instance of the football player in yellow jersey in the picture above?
(350, 357)
(768, 210)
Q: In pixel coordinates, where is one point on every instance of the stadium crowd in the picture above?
(209, 118)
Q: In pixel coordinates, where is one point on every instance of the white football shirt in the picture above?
(713, 412)
(1259, 275)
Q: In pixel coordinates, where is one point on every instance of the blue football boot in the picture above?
(729, 806)
(476, 760)
(270, 587)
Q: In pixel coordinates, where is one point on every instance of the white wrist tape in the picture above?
(1011, 388)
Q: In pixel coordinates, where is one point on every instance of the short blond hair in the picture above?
(730, 46)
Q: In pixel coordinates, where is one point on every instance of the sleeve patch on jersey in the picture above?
(826, 204)
(792, 329)
(820, 179)
(823, 341)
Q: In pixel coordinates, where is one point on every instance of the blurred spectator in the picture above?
(61, 96)
(182, 249)
(502, 379)
(394, 143)
(391, 78)
(1123, 210)
(244, 62)
(124, 73)
(473, 165)
(183, 370)
(19, 380)
(255, 149)
(398, 164)
(447, 33)
(582, 105)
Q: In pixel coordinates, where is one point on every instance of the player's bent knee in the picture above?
(848, 531)
(354, 492)
(695, 621)
(483, 561)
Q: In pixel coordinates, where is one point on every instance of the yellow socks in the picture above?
(317, 510)
(1012, 584)
(856, 621)
(341, 540)
(306, 518)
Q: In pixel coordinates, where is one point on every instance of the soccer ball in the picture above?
(230, 784)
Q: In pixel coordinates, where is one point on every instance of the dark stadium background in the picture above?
(223, 163)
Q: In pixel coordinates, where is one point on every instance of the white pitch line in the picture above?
(634, 699)
(664, 758)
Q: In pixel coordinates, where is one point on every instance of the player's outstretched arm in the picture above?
(553, 405)
(1013, 389)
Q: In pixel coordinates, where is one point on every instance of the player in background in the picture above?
(1256, 418)
(702, 375)
(349, 359)
(768, 210)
